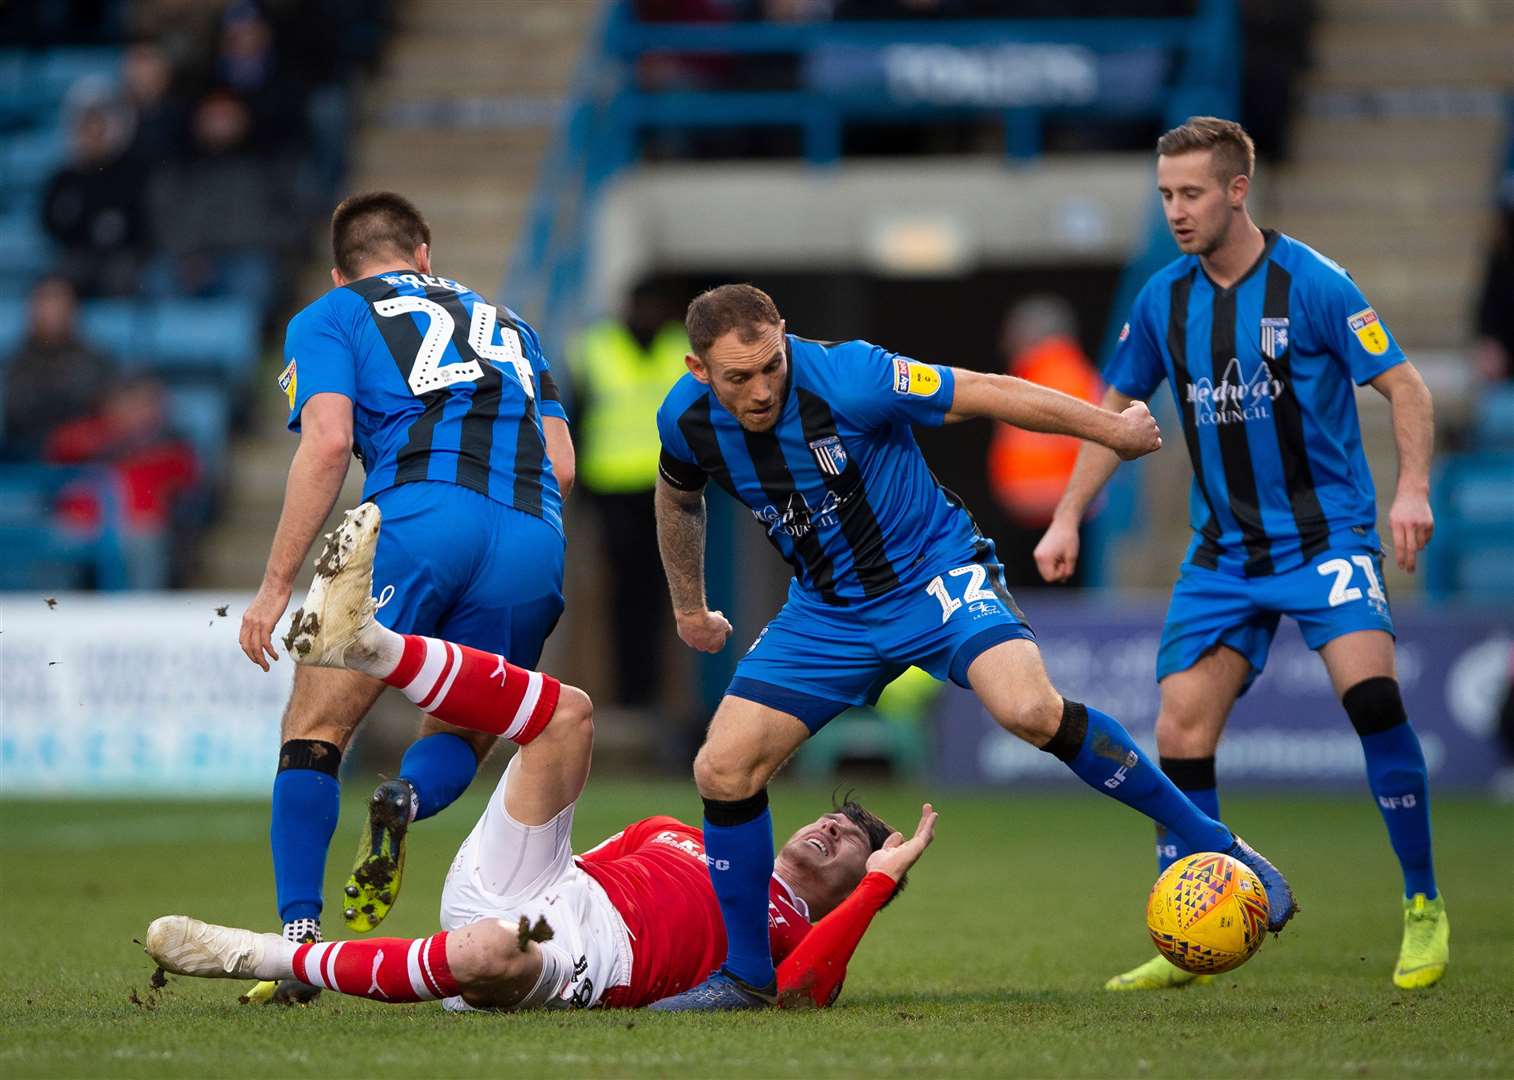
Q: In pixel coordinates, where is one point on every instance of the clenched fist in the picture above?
(706, 631)
(1138, 434)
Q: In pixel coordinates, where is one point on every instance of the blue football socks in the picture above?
(306, 800)
(738, 846)
(439, 767)
(1397, 775)
(1105, 757)
(1194, 777)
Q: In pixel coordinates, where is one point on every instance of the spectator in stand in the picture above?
(151, 469)
(158, 115)
(1028, 470)
(186, 31)
(92, 206)
(221, 218)
(249, 66)
(53, 376)
(1494, 349)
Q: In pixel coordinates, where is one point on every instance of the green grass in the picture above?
(990, 964)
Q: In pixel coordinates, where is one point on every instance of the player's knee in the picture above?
(1033, 717)
(1186, 733)
(727, 776)
(574, 717)
(488, 953)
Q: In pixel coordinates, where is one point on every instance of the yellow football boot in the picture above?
(1426, 950)
(1158, 973)
(375, 882)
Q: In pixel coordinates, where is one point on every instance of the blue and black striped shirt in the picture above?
(838, 483)
(444, 386)
(1262, 374)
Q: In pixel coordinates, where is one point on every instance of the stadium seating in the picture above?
(206, 350)
(1474, 519)
(40, 554)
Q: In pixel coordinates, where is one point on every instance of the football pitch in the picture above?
(990, 964)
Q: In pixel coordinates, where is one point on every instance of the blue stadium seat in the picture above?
(117, 327)
(28, 159)
(59, 69)
(38, 554)
(201, 412)
(1472, 554)
(12, 323)
(213, 334)
(1494, 427)
(28, 251)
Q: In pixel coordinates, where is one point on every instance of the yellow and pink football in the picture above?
(1207, 913)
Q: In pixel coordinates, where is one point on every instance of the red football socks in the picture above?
(384, 969)
(474, 689)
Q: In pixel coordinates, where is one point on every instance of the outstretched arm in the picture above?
(1130, 433)
(812, 974)
(680, 538)
(1413, 410)
(315, 480)
(1057, 553)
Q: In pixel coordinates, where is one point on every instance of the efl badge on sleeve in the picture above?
(830, 455)
(910, 377)
(1368, 329)
(288, 383)
(1274, 337)
(1125, 331)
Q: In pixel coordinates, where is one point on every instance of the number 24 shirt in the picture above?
(444, 386)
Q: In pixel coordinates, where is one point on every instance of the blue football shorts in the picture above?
(1338, 593)
(815, 660)
(465, 568)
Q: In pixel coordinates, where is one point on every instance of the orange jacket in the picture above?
(1028, 470)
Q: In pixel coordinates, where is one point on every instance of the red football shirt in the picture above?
(655, 875)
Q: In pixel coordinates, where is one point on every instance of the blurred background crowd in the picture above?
(964, 180)
(165, 170)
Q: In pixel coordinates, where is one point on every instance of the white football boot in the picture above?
(185, 946)
(340, 604)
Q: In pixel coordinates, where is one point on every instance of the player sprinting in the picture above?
(889, 570)
(448, 403)
(525, 923)
(1261, 339)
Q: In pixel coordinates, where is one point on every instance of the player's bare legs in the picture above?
(324, 710)
(1354, 658)
(1011, 682)
(746, 744)
(1363, 671)
(489, 963)
(1195, 705)
(1197, 702)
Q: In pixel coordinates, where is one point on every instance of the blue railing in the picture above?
(847, 77)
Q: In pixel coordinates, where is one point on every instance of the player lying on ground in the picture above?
(449, 404)
(632, 920)
(889, 570)
(1261, 338)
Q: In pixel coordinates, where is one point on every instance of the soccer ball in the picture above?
(1207, 913)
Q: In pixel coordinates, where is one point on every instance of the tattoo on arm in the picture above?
(680, 538)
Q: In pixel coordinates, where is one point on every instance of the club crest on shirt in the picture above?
(1274, 337)
(830, 455)
(1124, 332)
(288, 382)
(1368, 329)
(910, 377)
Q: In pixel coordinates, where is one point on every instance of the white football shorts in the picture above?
(505, 870)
